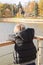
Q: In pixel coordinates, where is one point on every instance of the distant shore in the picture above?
(23, 20)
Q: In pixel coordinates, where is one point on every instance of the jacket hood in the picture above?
(27, 34)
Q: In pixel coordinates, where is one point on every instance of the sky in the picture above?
(23, 2)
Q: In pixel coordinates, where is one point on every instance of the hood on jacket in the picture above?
(27, 34)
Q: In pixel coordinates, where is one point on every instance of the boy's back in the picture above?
(24, 46)
(24, 49)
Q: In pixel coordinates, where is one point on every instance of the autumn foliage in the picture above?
(30, 10)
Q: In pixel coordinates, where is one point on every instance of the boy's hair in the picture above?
(18, 28)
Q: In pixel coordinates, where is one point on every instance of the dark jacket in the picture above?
(24, 48)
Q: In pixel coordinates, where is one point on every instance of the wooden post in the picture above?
(39, 51)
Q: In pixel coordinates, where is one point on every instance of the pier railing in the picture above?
(8, 43)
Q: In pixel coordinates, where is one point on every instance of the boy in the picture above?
(24, 49)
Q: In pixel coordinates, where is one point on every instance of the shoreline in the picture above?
(19, 20)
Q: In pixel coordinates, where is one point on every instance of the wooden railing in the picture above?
(6, 43)
(38, 38)
(10, 42)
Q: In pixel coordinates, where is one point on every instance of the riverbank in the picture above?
(23, 20)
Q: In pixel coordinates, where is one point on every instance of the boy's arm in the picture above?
(12, 37)
(16, 39)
